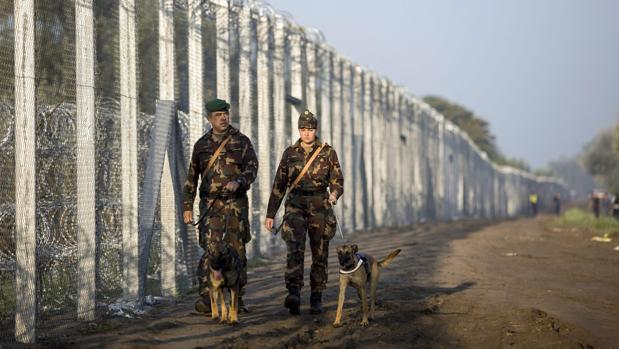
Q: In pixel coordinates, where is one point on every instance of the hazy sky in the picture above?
(544, 73)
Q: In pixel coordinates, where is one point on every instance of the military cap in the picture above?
(307, 120)
(217, 105)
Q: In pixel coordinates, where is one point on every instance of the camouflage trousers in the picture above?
(307, 216)
(227, 219)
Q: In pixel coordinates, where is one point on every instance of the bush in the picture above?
(586, 221)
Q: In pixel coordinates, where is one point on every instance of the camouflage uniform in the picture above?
(227, 212)
(307, 209)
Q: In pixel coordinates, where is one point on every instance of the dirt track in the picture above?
(470, 284)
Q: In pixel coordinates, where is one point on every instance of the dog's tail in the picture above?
(385, 262)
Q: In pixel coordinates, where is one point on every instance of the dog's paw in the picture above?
(337, 324)
(233, 323)
(215, 318)
(365, 323)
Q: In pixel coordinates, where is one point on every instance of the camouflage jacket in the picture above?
(236, 162)
(325, 172)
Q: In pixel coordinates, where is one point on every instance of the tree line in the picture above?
(601, 158)
(477, 129)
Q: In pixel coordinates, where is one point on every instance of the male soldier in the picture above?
(225, 160)
(308, 209)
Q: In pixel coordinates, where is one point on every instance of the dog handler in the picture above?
(225, 160)
(307, 169)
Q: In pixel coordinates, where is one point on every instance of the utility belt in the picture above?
(315, 192)
(239, 194)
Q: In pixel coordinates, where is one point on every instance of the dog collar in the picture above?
(359, 264)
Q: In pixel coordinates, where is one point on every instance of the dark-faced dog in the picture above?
(359, 270)
(224, 273)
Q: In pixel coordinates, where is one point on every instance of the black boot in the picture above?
(293, 300)
(316, 302)
(203, 305)
(242, 307)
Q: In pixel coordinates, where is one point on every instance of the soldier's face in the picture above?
(308, 135)
(220, 120)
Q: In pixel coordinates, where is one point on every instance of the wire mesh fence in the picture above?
(101, 103)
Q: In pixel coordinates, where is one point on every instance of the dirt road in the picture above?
(466, 284)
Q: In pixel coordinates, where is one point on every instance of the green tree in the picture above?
(544, 172)
(601, 158)
(55, 51)
(515, 162)
(107, 49)
(477, 129)
(572, 171)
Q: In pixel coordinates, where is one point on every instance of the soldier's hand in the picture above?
(333, 198)
(232, 186)
(268, 223)
(187, 217)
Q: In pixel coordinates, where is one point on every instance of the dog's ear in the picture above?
(355, 249)
(338, 249)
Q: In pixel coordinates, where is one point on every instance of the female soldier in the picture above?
(307, 170)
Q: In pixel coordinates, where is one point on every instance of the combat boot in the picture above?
(316, 302)
(293, 300)
(242, 307)
(203, 305)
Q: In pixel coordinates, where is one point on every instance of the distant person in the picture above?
(557, 201)
(595, 204)
(533, 200)
(605, 203)
(615, 206)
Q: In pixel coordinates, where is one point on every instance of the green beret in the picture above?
(217, 105)
(307, 120)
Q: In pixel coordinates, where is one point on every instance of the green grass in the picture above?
(7, 297)
(585, 221)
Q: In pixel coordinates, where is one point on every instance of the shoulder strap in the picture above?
(211, 162)
(306, 167)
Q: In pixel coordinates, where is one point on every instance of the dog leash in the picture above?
(225, 232)
(281, 225)
(337, 222)
(218, 196)
(208, 209)
(209, 166)
(227, 219)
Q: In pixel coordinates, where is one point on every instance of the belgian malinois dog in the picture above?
(224, 270)
(359, 269)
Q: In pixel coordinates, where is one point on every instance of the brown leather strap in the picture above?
(211, 162)
(298, 179)
(306, 167)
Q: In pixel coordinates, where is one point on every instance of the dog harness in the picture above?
(359, 264)
(362, 261)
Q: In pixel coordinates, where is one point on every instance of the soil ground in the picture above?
(463, 284)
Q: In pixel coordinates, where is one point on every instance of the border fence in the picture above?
(101, 101)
